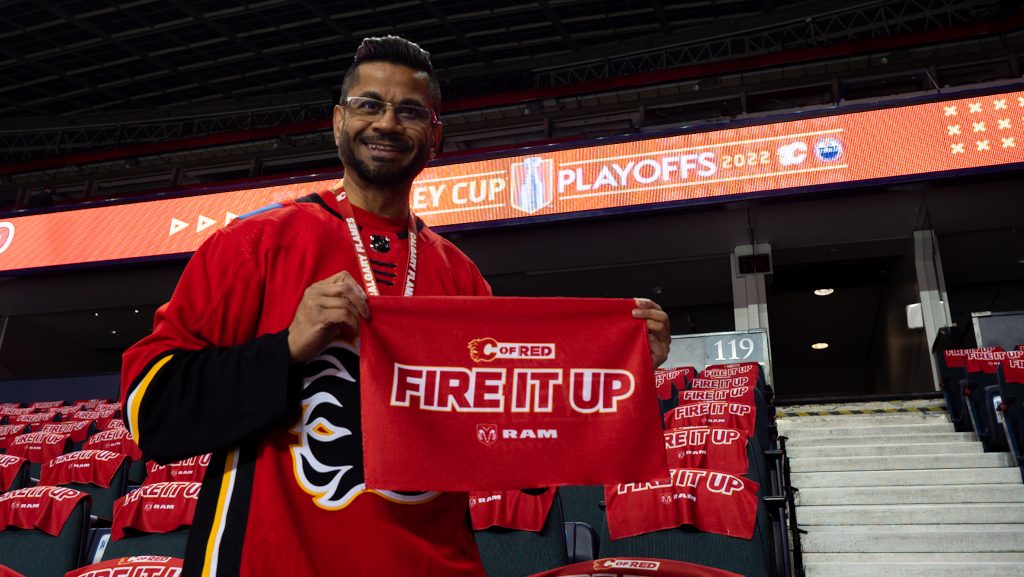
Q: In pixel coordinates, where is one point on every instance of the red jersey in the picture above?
(283, 494)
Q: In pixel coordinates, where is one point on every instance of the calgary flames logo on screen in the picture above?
(532, 184)
(6, 235)
(328, 459)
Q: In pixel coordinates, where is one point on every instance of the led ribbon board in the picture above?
(969, 133)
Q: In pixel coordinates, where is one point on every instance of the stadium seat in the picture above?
(153, 520)
(171, 544)
(39, 448)
(511, 553)
(1012, 411)
(93, 480)
(582, 541)
(36, 553)
(751, 558)
(13, 473)
(949, 384)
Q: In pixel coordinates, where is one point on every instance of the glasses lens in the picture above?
(373, 108)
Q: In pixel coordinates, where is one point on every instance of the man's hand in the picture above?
(328, 308)
(657, 329)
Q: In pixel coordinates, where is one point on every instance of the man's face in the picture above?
(385, 151)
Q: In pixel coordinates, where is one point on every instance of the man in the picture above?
(255, 356)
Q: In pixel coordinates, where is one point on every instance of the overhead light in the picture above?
(136, 311)
(1020, 260)
(95, 314)
(113, 332)
(819, 346)
(823, 292)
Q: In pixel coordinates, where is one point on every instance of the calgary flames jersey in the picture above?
(284, 493)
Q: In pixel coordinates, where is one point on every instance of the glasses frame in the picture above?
(347, 103)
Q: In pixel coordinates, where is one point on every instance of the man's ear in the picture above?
(435, 145)
(338, 120)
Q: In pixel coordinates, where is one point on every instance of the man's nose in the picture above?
(388, 121)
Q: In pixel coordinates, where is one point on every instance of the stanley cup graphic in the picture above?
(531, 184)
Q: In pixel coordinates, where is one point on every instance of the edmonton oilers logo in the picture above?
(532, 181)
(828, 149)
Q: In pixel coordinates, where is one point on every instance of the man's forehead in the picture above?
(386, 76)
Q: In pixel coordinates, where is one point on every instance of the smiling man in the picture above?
(256, 358)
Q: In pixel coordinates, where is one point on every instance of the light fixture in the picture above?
(824, 292)
(113, 332)
(136, 311)
(819, 346)
(95, 314)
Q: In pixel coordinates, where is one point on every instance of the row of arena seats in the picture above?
(85, 498)
(983, 391)
(106, 479)
(515, 542)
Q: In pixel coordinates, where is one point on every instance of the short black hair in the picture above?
(394, 50)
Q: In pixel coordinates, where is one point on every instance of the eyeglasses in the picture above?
(372, 109)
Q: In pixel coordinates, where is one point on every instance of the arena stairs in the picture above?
(894, 491)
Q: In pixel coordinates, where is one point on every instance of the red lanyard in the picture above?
(369, 282)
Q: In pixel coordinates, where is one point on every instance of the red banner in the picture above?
(141, 566)
(666, 379)
(957, 358)
(38, 447)
(743, 395)
(710, 448)
(79, 430)
(514, 509)
(471, 393)
(713, 414)
(9, 467)
(1013, 371)
(988, 362)
(191, 470)
(635, 567)
(88, 466)
(44, 508)
(711, 501)
(968, 133)
(156, 508)
(116, 440)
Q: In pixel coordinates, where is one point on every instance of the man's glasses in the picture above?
(372, 109)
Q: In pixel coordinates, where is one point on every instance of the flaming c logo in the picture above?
(6, 235)
(478, 350)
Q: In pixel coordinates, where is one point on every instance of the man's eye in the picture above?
(410, 113)
(370, 106)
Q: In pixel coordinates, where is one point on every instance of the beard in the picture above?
(383, 172)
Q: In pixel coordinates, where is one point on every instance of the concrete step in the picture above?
(915, 569)
(910, 495)
(927, 514)
(794, 423)
(934, 539)
(902, 462)
(869, 437)
(811, 452)
(990, 476)
(914, 557)
(844, 430)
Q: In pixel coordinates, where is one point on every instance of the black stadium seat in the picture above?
(510, 553)
(38, 554)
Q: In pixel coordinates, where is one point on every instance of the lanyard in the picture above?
(369, 282)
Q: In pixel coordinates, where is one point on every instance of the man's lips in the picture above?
(385, 148)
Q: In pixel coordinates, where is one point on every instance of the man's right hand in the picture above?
(329, 308)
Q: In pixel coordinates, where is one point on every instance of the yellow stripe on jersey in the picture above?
(135, 399)
(227, 483)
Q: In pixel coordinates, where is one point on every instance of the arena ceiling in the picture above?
(76, 61)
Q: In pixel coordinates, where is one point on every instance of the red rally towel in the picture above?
(717, 449)
(9, 467)
(36, 420)
(156, 508)
(742, 395)
(635, 567)
(9, 432)
(988, 362)
(6, 571)
(86, 466)
(702, 383)
(481, 393)
(730, 370)
(189, 470)
(140, 566)
(47, 404)
(79, 430)
(114, 424)
(711, 501)
(1013, 370)
(45, 508)
(957, 358)
(513, 509)
(116, 440)
(665, 379)
(16, 411)
(713, 414)
(101, 418)
(38, 447)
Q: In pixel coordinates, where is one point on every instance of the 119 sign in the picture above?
(731, 349)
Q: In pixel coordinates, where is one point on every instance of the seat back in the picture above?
(38, 554)
(170, 544)
(103, 498)
(14, 472)
(511, 553)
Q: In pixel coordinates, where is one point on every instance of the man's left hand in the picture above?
(657, 329)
